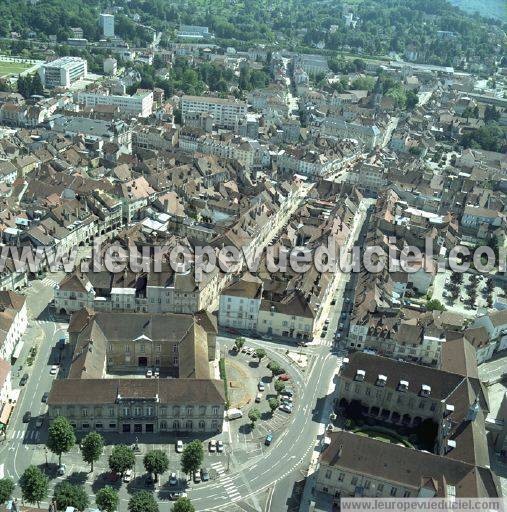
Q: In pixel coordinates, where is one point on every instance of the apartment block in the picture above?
(226, 113)
(139, 104)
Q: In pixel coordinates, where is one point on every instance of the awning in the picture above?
(18, 349)
(6, 414)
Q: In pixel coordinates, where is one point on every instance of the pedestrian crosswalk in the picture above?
(49, 282)
(227, 482)
(32, 435)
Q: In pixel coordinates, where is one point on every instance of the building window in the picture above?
(99, 425)
(354, 480)
(163, 425)
(112, 425)
(328, 473)
(158, 348)
(341, 476)
(214, 410)
(406, 494)
(189, 425)
(367, 484)
(149, 411)
(84, 412)
(380, 487)
(347, 386)
(141, 349)
(86, 426)
(393, 491)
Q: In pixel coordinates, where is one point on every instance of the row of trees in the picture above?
(35, 488)
(61, 438)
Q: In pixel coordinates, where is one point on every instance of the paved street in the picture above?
(248, 474)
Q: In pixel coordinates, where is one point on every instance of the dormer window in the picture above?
(381, 380)
(345, 361)
(360, 375)
(403, 385)
(449, 409)
(425, 390)
(450, 445)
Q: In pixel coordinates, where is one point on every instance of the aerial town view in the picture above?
(253, 255)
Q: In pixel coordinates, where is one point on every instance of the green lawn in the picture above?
(12, 68)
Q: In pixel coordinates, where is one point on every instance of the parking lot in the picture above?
(461, 303)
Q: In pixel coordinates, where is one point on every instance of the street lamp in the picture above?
(46, 454)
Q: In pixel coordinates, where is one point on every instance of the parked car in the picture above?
(287, 392)
(39, 422)
(27, 417)
(23, 380)
(302, 344)
(197, 477)
(258, 398)
(175, 496)
(179, 446)
(220, 446)
(61, 470)
(173, 480)
(204, 475)
(286, 408)
(157, 372)
(333, 302)
(149, 374)
(287, 400)
(268, 439)
(45, 397)
(212, 446)
(127, 476)
(323, 334)
(54, 370)
(149, 480)
(284, 377)
(261, 386)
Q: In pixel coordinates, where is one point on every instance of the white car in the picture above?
(286, 408)
(173, 480)
(261, 386)
(127, 476)
(61, 470)
(54, 369)
(157, 372)
(149, 374)
(212, 446)
(220, 446)
(179, 446)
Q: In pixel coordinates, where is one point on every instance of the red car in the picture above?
(284, 377)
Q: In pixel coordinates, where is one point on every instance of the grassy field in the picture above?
(12, 68)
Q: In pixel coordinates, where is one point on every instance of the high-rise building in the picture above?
(63, 72)
(107, 24)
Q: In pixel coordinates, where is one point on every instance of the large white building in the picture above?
(63, 72)
(226, 113)
(107, 24)
(140, 104)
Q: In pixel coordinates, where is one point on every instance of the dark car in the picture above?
(45, 397)
(23, 380)
(27, 417)
(148, 480)
(268, 439)
(204, 475)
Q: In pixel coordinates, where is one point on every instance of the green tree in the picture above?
(183, 505)
(363, 83)
(142, 501)
(70, 495)
(434, 305)
(6, 489)
(411, 99)
(36, 85)
(61, 437)
(275, 368)
(279, 386)
(107, 499)
(92, 447)
(156, 462)
(239, 342)
(34, 485)
(122, 458)
(260, 353)
(273, 403)
(192, 457)
(254, 415)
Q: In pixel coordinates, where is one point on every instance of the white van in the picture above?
(233, 414)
